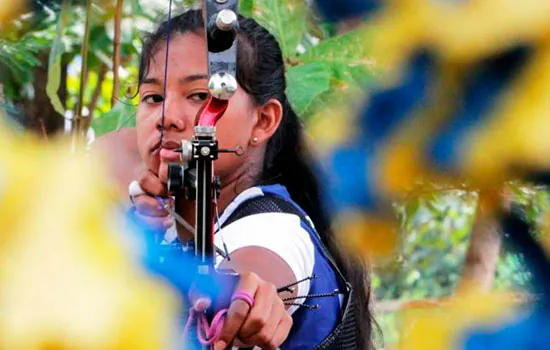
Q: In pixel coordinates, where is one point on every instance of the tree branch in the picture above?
(96, 94)
(483, 249)
(78, 126)
(116, 51)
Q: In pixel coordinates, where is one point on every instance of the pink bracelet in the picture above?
(244, 296)
(209, 333)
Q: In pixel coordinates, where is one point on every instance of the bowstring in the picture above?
(225, 253)
(168, 33)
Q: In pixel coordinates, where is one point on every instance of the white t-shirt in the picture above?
(281, 233)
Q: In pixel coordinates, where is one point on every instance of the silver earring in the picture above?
(254, 139)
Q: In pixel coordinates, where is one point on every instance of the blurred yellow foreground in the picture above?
(66, 282)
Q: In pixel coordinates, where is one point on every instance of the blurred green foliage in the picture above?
(436, 228)
(21, 43)
(320, 65)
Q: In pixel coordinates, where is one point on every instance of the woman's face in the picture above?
(186, 91)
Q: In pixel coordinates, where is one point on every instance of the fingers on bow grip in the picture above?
(257, 316)
(239, 308)
(266, 324)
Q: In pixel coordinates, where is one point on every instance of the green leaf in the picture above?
(347, 54)
(246, 8)
(17, 60)
(54, 64)
(305, 83)
(122, 115)
(285, 19)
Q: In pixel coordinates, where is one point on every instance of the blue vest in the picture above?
(311, 327)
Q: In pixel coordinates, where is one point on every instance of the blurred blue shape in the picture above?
(390, 107)
(482, 89)
(351, 167)
(334, 10)
(529, 333)
(348, 170)
(177, 266)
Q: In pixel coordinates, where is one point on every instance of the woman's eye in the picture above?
(152, 99)
(199, 96)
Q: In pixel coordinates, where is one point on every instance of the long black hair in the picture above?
(261, 73)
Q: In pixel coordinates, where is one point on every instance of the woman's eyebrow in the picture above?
(186, 79)
(193, 77)
(151, 81)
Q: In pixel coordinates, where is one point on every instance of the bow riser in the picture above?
(196, 178)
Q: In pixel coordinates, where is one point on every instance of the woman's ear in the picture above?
(269, 118)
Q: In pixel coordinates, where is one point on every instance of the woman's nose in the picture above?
(173, 116)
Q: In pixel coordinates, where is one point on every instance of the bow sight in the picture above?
(194, 176)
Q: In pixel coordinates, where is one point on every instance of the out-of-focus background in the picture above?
(71, 68)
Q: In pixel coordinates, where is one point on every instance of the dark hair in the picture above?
(261, 73)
